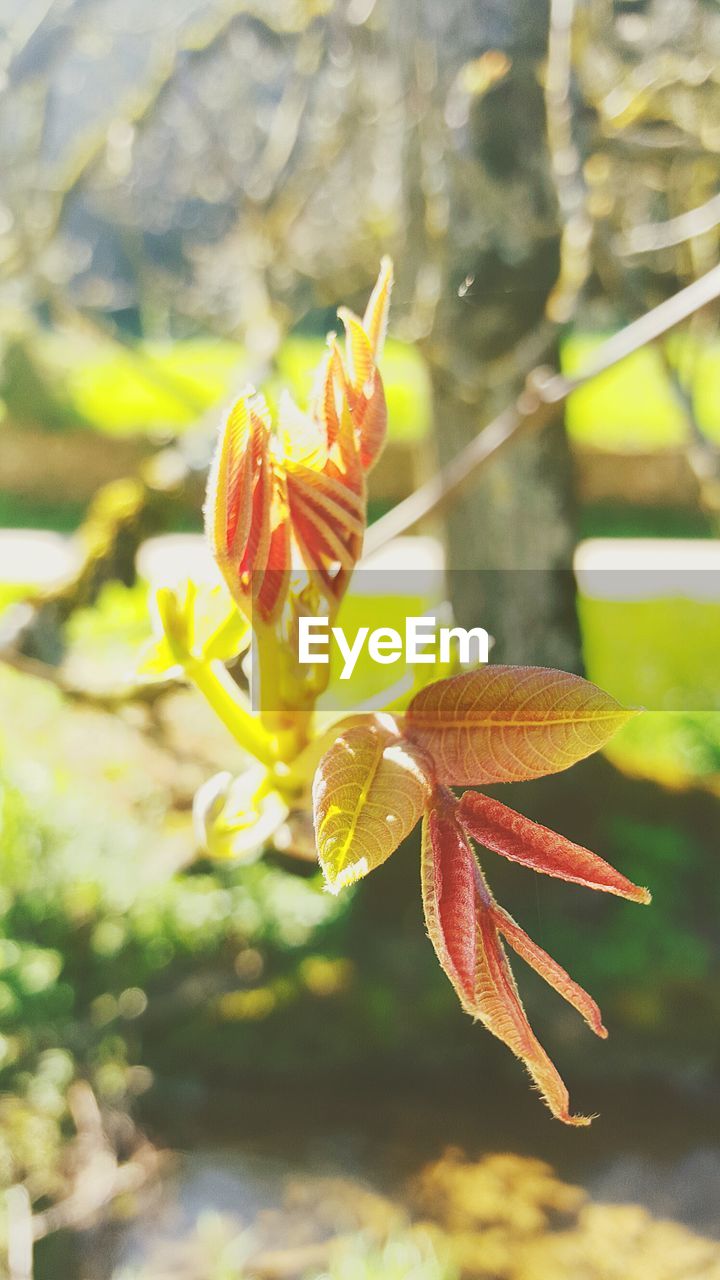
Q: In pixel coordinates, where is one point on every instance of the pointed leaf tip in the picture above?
(507, 724)
(503, 1014)
(366, 394)
(549, 969)
(360, 363)
(517, 838)
(378, 307)
(466, 927)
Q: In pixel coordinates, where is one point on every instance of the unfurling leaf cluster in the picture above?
(302, 488)
(286, 514)
(496, 724)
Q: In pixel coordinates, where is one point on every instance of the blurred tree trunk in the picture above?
(500, 263)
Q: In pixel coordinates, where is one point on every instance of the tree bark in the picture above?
(510, 542)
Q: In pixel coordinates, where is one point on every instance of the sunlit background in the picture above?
(216, 1073)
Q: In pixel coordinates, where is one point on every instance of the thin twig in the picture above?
(703, 454)
(545, 392)
(527, 414)
(649, 327)
(654, 236)
(566, 166)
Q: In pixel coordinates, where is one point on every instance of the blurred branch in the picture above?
(121, 515)
(198, 40)
(100, 1178)
(544, 394)
(287, 1264)
(659, 140)
(110, 700)
(702, 453)
(666, 235)
(36, 52)
(289, 117)
(566, 165)
(293, 195)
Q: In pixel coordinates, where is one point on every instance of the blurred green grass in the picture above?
(165, 388)
(657, 653)
(661, 655)
(633, 406)
(678, 749)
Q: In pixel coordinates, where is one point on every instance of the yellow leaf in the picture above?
(158, 663)
(368, 793)
(193, 622)
(235, 818)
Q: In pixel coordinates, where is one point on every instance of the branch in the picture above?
(544, 394)
(100, 1177)
(566, 165)
(195, 41)
(655, 236)
(703, 454)
(109, 700)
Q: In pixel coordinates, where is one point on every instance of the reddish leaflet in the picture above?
(305, 485)
(496, 724)
(296, 493)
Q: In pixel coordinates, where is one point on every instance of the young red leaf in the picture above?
(549, 969)
(505, 724)
(369, 791)
(448, 889)
(504, 831)
(376, 313)
(328, 520)
(331, 499)
(246, 513)
(306, 486)
(228, 504)
(360, 362)
(345, 456)
(270, 584)
(325, 408)
(500, 1009)
(364, 391)
(370, 417)
(465, 926)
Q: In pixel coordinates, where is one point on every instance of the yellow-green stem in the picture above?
(219, 690)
